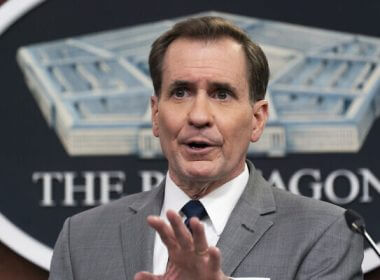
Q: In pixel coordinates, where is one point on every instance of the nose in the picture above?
(200, 114)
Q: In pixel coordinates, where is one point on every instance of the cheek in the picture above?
(237, 130)
(168, 126)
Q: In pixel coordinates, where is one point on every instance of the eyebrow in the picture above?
(184, 83)
(221, 85)
(178, 84)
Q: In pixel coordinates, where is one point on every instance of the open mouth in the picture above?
(198, 145)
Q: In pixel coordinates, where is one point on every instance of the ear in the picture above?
(154, 110)
(259, 119)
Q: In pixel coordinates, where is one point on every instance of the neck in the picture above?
(197, 189)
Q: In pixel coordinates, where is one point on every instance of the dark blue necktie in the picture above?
(193, 208)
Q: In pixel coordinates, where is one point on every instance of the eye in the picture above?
(222, 94)
(180, 92)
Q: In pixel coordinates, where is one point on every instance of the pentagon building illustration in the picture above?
(94, 90)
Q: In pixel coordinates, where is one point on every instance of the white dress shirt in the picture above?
(218, 204)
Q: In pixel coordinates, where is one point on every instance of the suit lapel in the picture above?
(246, 224)
(136, 236)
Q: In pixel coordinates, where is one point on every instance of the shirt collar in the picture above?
(218, 204)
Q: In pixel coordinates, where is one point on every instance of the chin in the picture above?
(201, 171)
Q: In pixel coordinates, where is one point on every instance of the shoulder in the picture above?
(284, 205)
(310, 221)
(287, 202)
(113, 212)
(309, 217)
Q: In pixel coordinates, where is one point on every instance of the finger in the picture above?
(143, 275)
(199, 236)
(164, 230)
(214, 259)
(181, 233)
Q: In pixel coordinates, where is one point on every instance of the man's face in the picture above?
(203, 117)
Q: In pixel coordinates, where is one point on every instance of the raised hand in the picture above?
(190, 257)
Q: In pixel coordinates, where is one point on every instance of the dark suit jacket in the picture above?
(270, 233)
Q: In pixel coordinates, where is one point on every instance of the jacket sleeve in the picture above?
(337, 254)
(60, 267)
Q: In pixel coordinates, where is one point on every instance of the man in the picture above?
(210, 82)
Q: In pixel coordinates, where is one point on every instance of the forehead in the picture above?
(219, 60)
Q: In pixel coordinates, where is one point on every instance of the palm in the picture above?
(189, 255)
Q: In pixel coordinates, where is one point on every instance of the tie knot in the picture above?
(193, 208)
